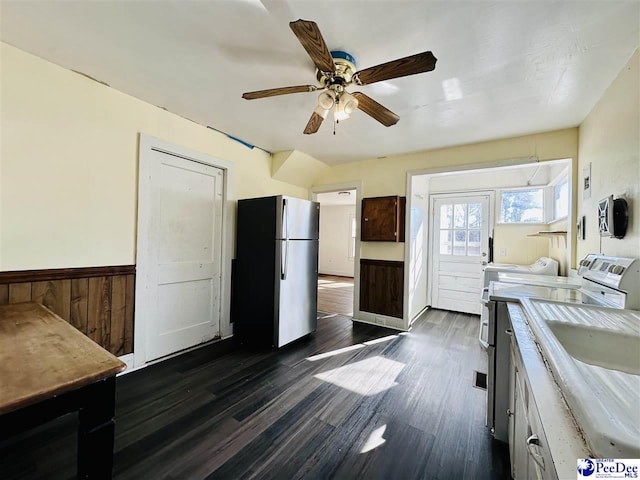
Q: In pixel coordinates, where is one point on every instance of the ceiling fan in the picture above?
(336, 70)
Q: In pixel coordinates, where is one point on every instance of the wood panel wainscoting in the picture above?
(381, 287)
(98, 301)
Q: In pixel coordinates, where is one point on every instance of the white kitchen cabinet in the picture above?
(518, 424)
(528, 448)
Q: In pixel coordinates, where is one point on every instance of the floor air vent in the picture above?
(479, 380)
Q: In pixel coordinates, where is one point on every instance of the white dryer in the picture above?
(544, 266)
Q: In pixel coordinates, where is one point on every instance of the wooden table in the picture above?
(48, 369)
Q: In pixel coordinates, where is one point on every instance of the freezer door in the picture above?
(297, 219)
(296, 290)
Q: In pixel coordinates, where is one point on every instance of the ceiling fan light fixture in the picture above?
(349, 102)
(326, 99)
(339, 112)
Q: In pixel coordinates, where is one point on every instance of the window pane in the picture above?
(561, 199)
(446, 216)
(445, 242)
(522, 206)
(460, 216)
(460, 242)
(473, 248)
(475, 215)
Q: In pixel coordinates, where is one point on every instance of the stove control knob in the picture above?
(617, 269)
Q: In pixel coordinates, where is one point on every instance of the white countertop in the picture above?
(604, 402)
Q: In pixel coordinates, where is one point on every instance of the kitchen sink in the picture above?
(599, 346)
(594, 355)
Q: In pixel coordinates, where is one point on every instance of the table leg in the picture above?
(96, 430)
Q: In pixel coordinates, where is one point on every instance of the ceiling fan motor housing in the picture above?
(345, 68)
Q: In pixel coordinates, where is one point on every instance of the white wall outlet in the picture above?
(503, 252)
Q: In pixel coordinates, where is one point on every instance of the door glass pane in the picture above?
(460, 242)
(460, 216)
(474, 243)
(475, 215)
(445, 242)
(446, 216)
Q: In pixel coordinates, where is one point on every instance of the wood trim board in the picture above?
(97, 301)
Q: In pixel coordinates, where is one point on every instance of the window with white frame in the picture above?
(523, 205)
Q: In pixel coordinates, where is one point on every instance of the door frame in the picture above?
(408, 226)
(431, 234)
(338, 187)
(147, 145)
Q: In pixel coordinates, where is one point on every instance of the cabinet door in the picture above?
(521, 431)
(380, 219)
(512, 409)
(540, 462)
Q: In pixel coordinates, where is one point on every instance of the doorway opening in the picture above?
(526, 196)
(337, 252)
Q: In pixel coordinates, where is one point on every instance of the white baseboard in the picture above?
(380, 320)
(129, 358)
(417, 316)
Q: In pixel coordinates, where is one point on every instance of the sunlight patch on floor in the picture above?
(366, 377)
(350, 348)
(334, 285)
(375, 439)
(332, 353)
(380, 340)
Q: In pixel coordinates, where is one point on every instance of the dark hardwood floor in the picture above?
(335, 294)
(389, 405)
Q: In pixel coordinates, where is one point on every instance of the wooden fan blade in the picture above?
(419, 63)
(313, 124)
(375, 110)
(272, 92)
(311, 39)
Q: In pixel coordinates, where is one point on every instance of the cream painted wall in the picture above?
(610, 141)
(69, 153)
(387, 176)
(335, 239)
(521, 249)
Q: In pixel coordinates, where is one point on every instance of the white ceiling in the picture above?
(504, 68)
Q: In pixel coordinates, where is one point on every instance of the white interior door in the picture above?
(460, 246)
(185, 254)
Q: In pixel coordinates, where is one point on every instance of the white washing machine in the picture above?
(493, 272)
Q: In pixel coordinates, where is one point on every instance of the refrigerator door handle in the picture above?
(284, 265)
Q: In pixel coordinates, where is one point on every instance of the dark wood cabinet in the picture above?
(383, 219)
(381, 287)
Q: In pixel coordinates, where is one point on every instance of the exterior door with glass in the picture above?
(460, 246)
